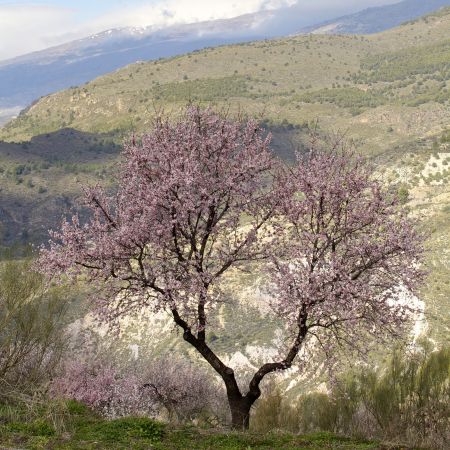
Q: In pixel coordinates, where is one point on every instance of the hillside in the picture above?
(344, 80)
(28, 77)
(39, 179)
(376, 19)
(388, 92)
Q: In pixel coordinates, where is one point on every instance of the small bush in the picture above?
(169, 386)
(32, 339)
(123, 429)
(37, 428)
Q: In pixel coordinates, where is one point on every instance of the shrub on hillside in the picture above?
(405, 401)
(31, 329)
(167, 386)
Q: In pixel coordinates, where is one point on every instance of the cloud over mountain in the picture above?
(27, 26)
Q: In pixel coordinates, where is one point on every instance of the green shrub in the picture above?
(316, 411)
(122, 430)
(405, 400)
(207, 89)
(38, 427)
(268, 412)
(31, 329)
(353, 98)
(405, 63)
(76, 408)
(403, 194)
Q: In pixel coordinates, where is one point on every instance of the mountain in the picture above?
(26, 78)
(374, 20)
(294, 78)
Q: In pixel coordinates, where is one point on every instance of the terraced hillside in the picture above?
(389, 92)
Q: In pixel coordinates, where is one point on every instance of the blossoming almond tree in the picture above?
(350, 257)
(199, 197)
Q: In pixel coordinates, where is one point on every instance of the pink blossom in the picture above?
(204, 195)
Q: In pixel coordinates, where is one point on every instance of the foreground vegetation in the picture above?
(404, 400)
(70, 425)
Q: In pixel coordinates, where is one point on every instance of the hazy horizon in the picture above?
(27, 26)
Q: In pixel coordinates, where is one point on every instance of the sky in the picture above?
(30, 25)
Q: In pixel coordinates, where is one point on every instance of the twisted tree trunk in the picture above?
(240, 412)
(240, 405)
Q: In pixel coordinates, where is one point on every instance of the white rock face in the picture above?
(404, 297)
(436, 166)
(134, 351)
(239, 361)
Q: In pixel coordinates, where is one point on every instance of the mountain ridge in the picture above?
(28, 77)
(376, 19)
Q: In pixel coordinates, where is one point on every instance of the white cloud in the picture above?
(26, 28)
(171, 12)
(29, 27)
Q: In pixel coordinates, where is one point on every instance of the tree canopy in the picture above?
(201, 196)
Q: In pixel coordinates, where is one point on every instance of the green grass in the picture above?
(197, 439)
(73, 426)
(82, 429)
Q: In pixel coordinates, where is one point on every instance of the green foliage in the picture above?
(84, 430)
(344, 97)
(445, 138)
(76, 408)
(316, 412)
(193, 439)
(403, 193)
(268, 414)
(37, 428)
(207, 89)
(31, 328)
(406, 63)
(406, 400)
(121, 430)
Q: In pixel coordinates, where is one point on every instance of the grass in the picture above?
(194, 438)
(82, 429)
(70, 425)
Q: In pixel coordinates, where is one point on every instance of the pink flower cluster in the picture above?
(175, 225)
(163, 386)
(347, 254)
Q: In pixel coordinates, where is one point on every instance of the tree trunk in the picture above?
(240, 412)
